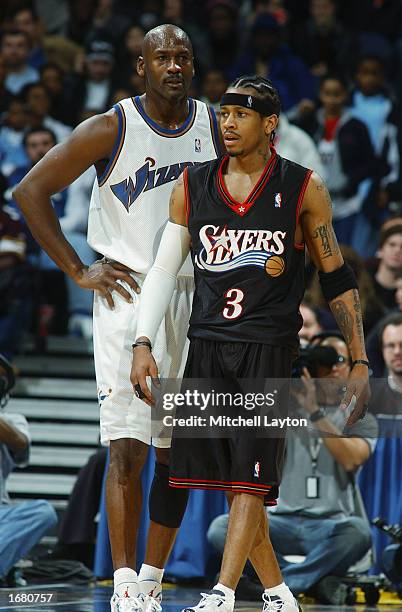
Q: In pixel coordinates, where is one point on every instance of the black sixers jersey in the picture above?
(249, 273)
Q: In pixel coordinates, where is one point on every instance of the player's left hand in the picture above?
(358, 386)
(143, 365)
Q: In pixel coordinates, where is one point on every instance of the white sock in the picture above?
(228, 593)
(282, 590)
(125, 582)
(148, 572)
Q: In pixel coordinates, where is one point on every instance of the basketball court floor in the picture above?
(96, 599)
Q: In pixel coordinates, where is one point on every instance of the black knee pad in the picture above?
(166, 504)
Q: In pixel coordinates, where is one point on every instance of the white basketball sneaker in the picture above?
(214, 601)
(275, 603)
(151, 592)
(126, 603)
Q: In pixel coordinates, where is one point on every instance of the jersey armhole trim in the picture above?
(186, 194)
(215, 131)
(300, 199)
(118, 145)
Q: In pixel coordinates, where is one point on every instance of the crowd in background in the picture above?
(338, 69)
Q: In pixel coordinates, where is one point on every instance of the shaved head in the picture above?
(166, 62)
(164, 36)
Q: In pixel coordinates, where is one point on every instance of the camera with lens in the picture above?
(313, 357)
(394, 531)
(7, 380)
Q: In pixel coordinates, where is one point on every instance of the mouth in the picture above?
(230, 138)
(176, 83)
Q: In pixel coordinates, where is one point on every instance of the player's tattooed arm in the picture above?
(316, 225)
(179, 201)
(318, 233)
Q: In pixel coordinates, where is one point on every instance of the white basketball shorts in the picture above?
(122, 414)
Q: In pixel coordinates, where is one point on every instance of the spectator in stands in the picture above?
(294, 144)
(214, 85)
(15, 282)
(322, 41)
(38, 142)
(15, 49)
(317, 514)
(38, 105)
(5, 95)
(348, 159)
(311, 322)
(107, 24)
(222, 38)
(26, 19)
(385, 277)
(12, 126)
(267, 55)
(92, 90)
(22, 525)
(372, 103)
(387, 392)
(52, 77)
(127, 60)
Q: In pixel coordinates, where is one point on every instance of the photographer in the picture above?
(316, 512)
(21, 525)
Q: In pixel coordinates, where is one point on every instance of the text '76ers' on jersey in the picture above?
(130, 201)
(249, 273)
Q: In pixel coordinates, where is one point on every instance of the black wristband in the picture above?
(317, 415)
(360, 361)
(142, 343)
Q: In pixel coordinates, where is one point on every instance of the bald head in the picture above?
(165, 36)
(166, 62)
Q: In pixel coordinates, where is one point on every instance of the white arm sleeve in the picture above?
(158, 287)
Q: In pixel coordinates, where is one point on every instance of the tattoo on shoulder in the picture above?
(323, 187)
(343, 318)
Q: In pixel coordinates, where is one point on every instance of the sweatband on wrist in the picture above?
(264, 107)
(337, 282)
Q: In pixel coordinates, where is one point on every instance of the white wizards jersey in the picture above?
(130, 201)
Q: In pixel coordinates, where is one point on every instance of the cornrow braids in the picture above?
(265, 91)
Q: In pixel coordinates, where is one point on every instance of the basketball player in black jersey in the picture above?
(248, 218)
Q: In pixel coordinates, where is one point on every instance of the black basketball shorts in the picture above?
(236, 463)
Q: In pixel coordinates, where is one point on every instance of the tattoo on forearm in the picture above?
(344, 319)
(321, 233)
(358, 316)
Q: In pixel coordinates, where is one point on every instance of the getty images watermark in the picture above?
(205, 401)
(217, 407)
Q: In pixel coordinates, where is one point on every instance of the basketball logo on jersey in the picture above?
(257, 469)
(225, 249)
(278, 200)
(197, 145)
(147, 178)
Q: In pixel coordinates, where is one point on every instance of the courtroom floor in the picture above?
(96, 599)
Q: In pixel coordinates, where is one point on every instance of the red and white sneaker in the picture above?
(151, 593)
(126, 603)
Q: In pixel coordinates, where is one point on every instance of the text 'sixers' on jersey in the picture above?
(249, 273)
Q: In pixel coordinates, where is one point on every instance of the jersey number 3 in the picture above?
(233, 308)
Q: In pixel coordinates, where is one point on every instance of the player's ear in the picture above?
(141, 66)
(271, 123)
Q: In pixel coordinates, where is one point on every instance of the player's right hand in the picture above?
(102, 276)
(143, 365)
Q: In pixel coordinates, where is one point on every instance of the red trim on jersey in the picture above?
(241, 208)
(221, 482)
(186, 193)
(300, 202)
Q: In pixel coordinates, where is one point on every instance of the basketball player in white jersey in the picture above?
(139, 148)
